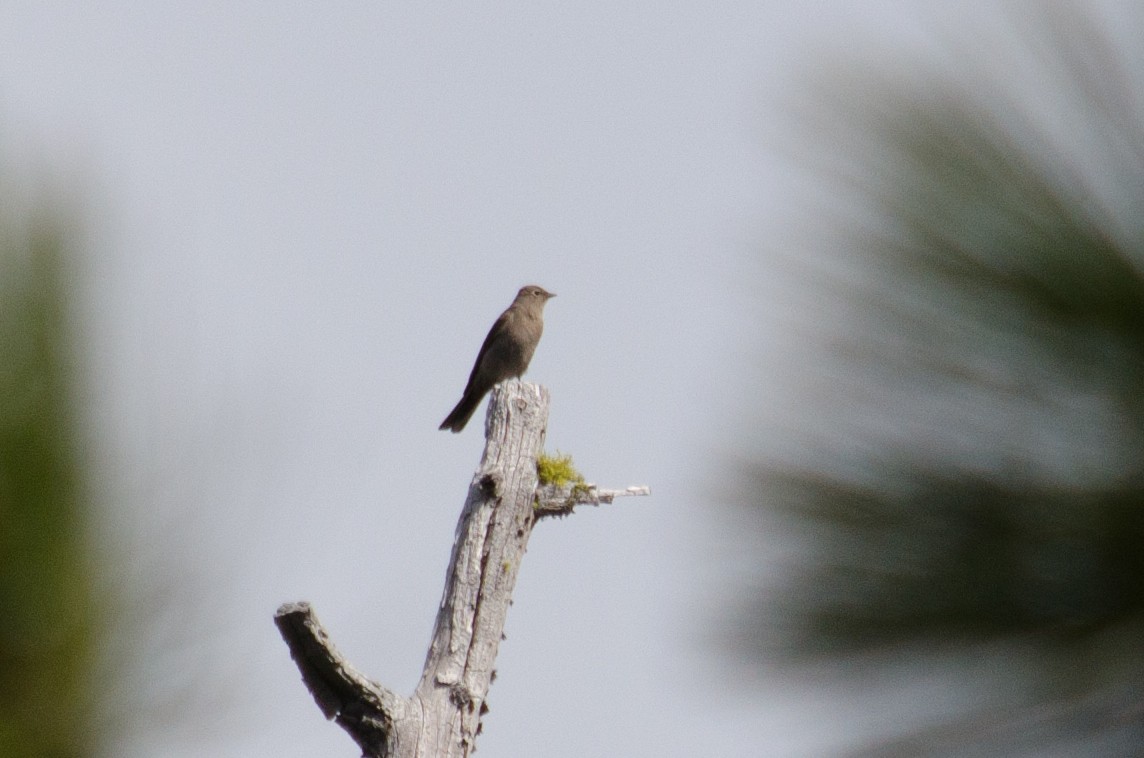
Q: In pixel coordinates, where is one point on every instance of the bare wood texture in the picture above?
(443, 716)
(491, 539)
(363, 708)
(561, 501)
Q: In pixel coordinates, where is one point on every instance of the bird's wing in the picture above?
(496, 333)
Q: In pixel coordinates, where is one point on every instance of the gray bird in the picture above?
(505, 354)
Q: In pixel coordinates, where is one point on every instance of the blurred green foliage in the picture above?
(1007, 295)
(47, 601)
(985, 478)
(963, 557)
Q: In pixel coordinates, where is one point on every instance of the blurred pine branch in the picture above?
(980, 476)
(47, 641)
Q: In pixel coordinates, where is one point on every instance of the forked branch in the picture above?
(442, 718)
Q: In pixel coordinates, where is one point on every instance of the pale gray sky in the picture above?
(303, 218)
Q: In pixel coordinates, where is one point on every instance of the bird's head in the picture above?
(535, 293)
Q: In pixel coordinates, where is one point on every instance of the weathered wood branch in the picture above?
(561, 501)
(363, 708)
(442, 718)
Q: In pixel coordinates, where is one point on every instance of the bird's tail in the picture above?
(460, 415)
